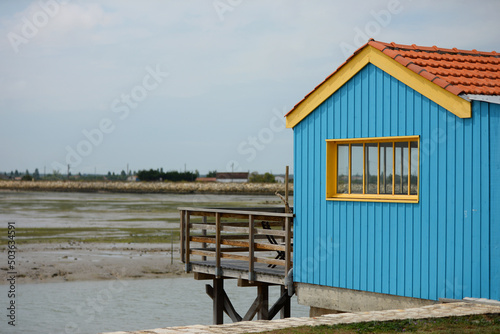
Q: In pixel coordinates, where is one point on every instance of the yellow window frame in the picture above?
(332, 172)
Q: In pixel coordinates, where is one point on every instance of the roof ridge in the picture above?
(435, 49)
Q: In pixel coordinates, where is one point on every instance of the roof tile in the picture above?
(457, 71)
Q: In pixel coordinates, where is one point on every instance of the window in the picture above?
(373, 169)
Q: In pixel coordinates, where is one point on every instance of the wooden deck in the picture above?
(253, 245)
(239, 243)
(239, 269)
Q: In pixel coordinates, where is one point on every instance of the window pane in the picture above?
(371, 163)
(356, 168)
(401, 166)
(342, 169)
(414, 168)
(386, 168)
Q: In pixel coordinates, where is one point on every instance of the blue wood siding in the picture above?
(494, 169)
(447, 245)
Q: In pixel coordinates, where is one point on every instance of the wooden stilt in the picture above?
(279, 305)
(253, 309)
(286, 309)
(228, 306)
(218, 301)
(260, 306)
(263, 295)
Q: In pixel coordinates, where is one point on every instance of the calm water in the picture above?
(103, 306)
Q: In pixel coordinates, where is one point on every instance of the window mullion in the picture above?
(409, 168)
(349, 175)
(402, 171)
(393, 166)
(378, 169)
(364, 167)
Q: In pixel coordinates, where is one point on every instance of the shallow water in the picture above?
(122, 305)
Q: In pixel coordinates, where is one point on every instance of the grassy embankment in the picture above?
(484, 324)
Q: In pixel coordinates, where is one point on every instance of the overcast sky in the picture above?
(199, 83)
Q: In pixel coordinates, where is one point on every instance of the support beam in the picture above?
(286, 309)
(228, 307)
(253, 309)
(243, 283)
(280, 304)
(203, 277)
(218, 301)
(263, 295)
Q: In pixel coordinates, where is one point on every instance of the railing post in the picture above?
(217, 245)
(251, 249)
(183, 222)
(204, 233)
(188, 250)
(287, 245)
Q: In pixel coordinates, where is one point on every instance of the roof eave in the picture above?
(484, 98)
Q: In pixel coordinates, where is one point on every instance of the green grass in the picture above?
(88, 235)
(487, 323)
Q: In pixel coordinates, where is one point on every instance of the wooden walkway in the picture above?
(239, 269)
(253, 245)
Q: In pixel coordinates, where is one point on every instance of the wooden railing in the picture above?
(237, 234)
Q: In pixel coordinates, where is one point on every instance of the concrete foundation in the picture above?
(318, 311)
(330, 300)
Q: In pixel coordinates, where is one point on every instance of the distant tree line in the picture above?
(160, 175)
(57, 176)
(142, 175)
(261, 178)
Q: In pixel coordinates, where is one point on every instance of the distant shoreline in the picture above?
(148, 187)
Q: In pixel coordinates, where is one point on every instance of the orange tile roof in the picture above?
(457, 71)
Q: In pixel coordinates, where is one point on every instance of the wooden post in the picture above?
(285, 311)
(171, 247)
(251, 249)
(187, 230)
(263, 294)
(218, 301)
(286, 188)
(288, 245)
(183, 223)
(204, 233)
(217, 245)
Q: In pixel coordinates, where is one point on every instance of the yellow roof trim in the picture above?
(449, 101)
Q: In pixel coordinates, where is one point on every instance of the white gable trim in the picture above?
(484, 98)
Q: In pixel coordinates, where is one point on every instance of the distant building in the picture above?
(132, 178)
(232, 177)
(280, 178)
(206, 179)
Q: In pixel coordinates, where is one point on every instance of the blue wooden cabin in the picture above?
(397, 179)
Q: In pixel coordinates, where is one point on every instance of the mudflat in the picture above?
(75, 261)
(76, 236)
